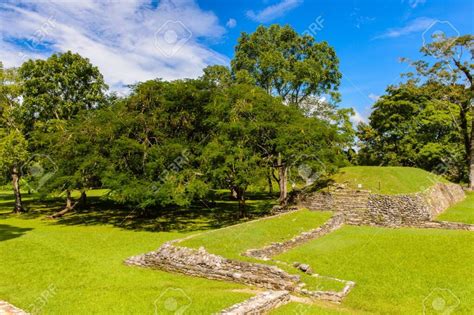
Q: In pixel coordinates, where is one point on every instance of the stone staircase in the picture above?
(352, 203)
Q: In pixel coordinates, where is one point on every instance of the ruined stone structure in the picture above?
(277, 248)
(8, 309)
(361, 207)
(200, 263)
(259, 304)
(203, 264)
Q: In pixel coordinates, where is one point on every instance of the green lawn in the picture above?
(395, 269)
(77, 261)
(75, 265)
(234, 240)
(460, 212)
(231, 242)
(387, 180)
(80, 268)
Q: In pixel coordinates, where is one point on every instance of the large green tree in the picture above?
(13, 145)
(302, 73)
(427, 121)
(451, 64)
(55, 92)
(60, 87)
(287, 64)
(412, 126)
(153, 137)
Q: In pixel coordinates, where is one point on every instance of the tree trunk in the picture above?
(233, 194)
(68, 200)
(241, 199)
(16, 190)
(471, 160)
(83, 199)
(69, 206)
(282, 181)
(270, 183)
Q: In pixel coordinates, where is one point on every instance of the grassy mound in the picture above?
(387, 180)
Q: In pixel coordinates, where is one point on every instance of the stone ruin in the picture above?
(361, 207)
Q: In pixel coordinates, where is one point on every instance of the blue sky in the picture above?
(129, 40)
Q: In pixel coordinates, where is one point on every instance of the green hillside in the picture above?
(387, 179)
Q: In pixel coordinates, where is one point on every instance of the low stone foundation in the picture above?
(8, 309)
(361, 207)
(203, 264)
(260, 304)
(200, 263)
(444, 225)
(332, 296)
(277, 248)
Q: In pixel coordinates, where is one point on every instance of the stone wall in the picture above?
(259, 304)
(362, 207)
(8, 309)
(277, 248)
(200, 263)
(203, 264)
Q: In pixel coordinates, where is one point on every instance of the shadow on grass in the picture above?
(202, 215)
(8, 232)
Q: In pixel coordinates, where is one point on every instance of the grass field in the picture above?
(387, 180)
(232, 241)
(80, 269)
(460, 212)
(75, 265)
(395, 269)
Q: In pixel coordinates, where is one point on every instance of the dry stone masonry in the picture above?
(277, 248)
(199, 262)
(259, 304)
(8, 309)
(203, 264)
(361, 207)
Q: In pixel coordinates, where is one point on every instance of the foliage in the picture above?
(153, 136)
(60, 87)
(414, 126)
(13, 145)
(168, 143)
(287, 64)
(427, 121)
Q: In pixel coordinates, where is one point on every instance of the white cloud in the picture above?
(231, 23)
(415, 3)
(358, 118)
(374, 97)
(129, 41)
(417, 25)
(273, 11)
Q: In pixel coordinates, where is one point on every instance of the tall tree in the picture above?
(55, 91)
(293, 67)
(13, 145)
(412, 126)
(153, 137)
(60, 87)
(453, 67)
(287, 64)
